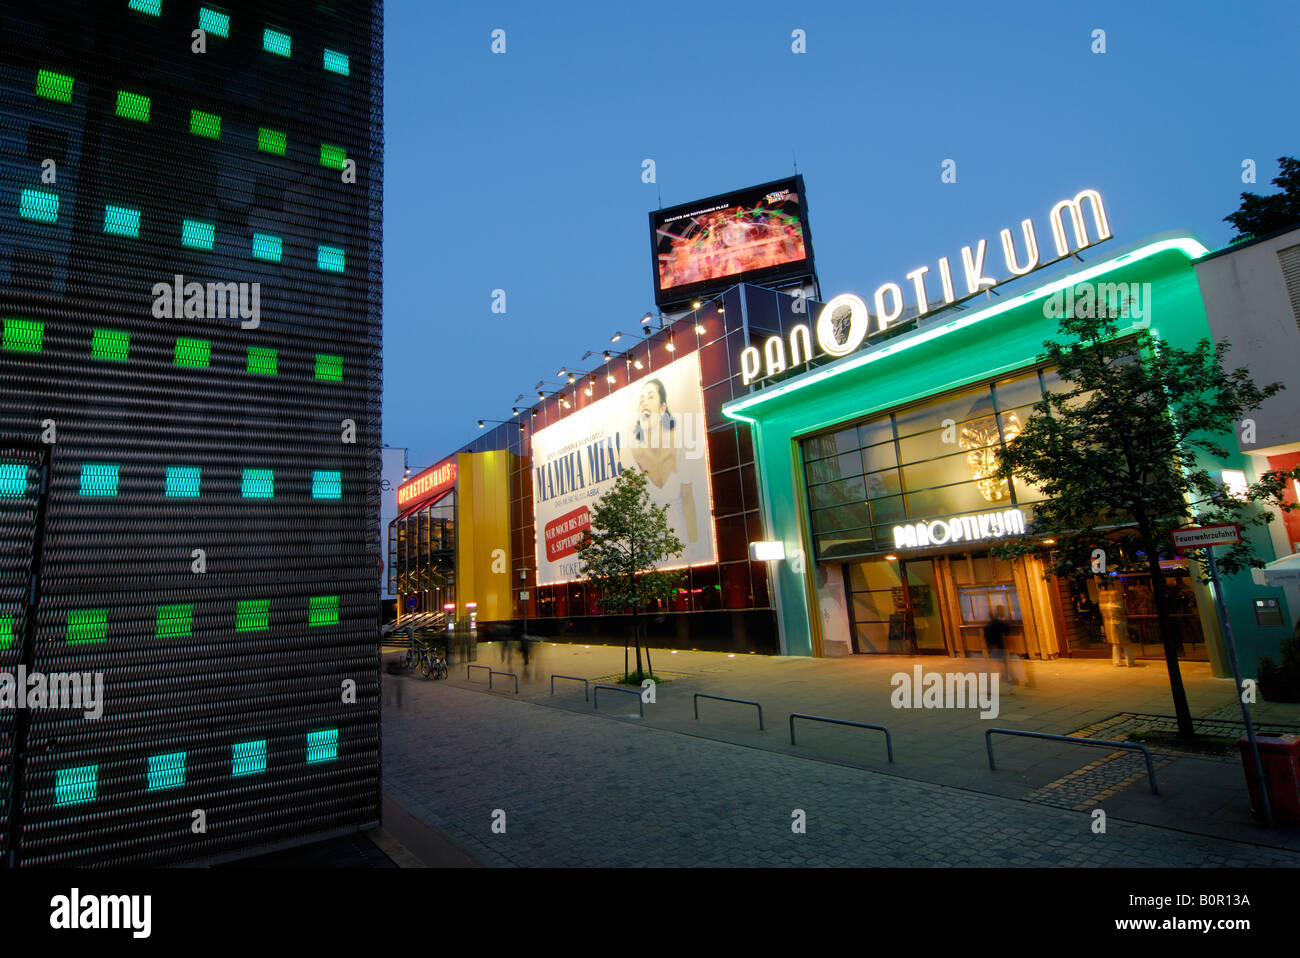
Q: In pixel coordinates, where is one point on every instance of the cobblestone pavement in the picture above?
(592, 790)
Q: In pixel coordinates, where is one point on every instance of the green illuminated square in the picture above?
(323, 610)
(110, 344)
(72, 786)
(248, 758)
(332, 156)
(151, 7)
(6, 632)
(323, 746)
(166, 771)
(214, 22)
(258, 484)
(39, 205)
(13, 479)
(272, 141)
(267, 247)
(193, 352)
(54, 86)
(174, 621)
(273, 41)
(329, 258)
(22, 335)
(326, 484)
(261, 360)
(205, 124)
(252, 615)
(336, 62)
(198, 235)
(86, 625)
(121, 221)
(329, 367)
(183, 482)
(132, 106)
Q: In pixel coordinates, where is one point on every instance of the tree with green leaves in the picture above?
(1120, 454)
(628, 537)
(1261, 215)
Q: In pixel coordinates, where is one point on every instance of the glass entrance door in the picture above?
(894, 607)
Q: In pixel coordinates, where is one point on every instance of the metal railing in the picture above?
(722, 698)
(1146, 752)
(586, 689)
(509, 675)
(485, 668)
(889, 742)
(614, 688)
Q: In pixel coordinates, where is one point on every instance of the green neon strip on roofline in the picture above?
(1187, 245)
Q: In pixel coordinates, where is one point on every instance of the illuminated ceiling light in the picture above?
(891, 557)
(637, 363)
(1049, 542)
(587, 390)
(610, 379)
(721, 308)
(699, 328)
(669, 346)
(616, 337)
(696, 305)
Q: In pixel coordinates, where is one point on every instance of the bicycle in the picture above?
(431, 662)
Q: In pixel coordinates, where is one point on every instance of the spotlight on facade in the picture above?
(480, 423)
(607, 355)
(514, 411)
(699, 328)
(540, 394)
(638, 364)
(767, 551)
(572, 378)
(610, 379)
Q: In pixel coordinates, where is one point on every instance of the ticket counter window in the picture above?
(979, 605)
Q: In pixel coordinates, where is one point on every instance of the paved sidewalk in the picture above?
(937, 747)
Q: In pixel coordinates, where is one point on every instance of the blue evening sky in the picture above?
(522, 171)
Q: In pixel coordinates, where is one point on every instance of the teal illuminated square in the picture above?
(193, 352)
(13, 479)
(273, 41)
(214, 22)
(6, 632)
(267, 247)
(151, 7)
(132, 106)
(39, 205)
(174, 622)
(336, 62)
(334, 157)
(272, 141)
(261, 361)
(205, 124)
(329, 367)
(329, 258)
(323, 610)
(323, 746)
(22, 335)
(252, 615)
(121, 221)
(54, 86)
(326, 485)
(73, 786)
(99, 479)
(258, 484)
(86, 626)
(198, 235)
(183, 482)
(248, 758)
(166, 771)
(114, 344)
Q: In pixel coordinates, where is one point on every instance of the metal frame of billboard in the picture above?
(789, 271)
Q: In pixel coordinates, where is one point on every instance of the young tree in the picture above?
(1260, 215)
(628, 537)
(1119, 453)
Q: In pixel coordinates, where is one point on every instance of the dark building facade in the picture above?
(190, 240)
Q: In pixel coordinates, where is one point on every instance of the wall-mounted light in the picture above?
(616, 337)
(610, 379)
(1238, 487)
(699, 328)
(696, 305)
(767, 551)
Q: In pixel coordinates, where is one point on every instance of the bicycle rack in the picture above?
(889, 744)
(614, 688)
(485, 668)
(510, 675)
(721, 698)
(586, 697)
(1146, 752)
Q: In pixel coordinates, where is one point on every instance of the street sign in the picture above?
(523, 596)
(1198, 537)
(412, 602)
